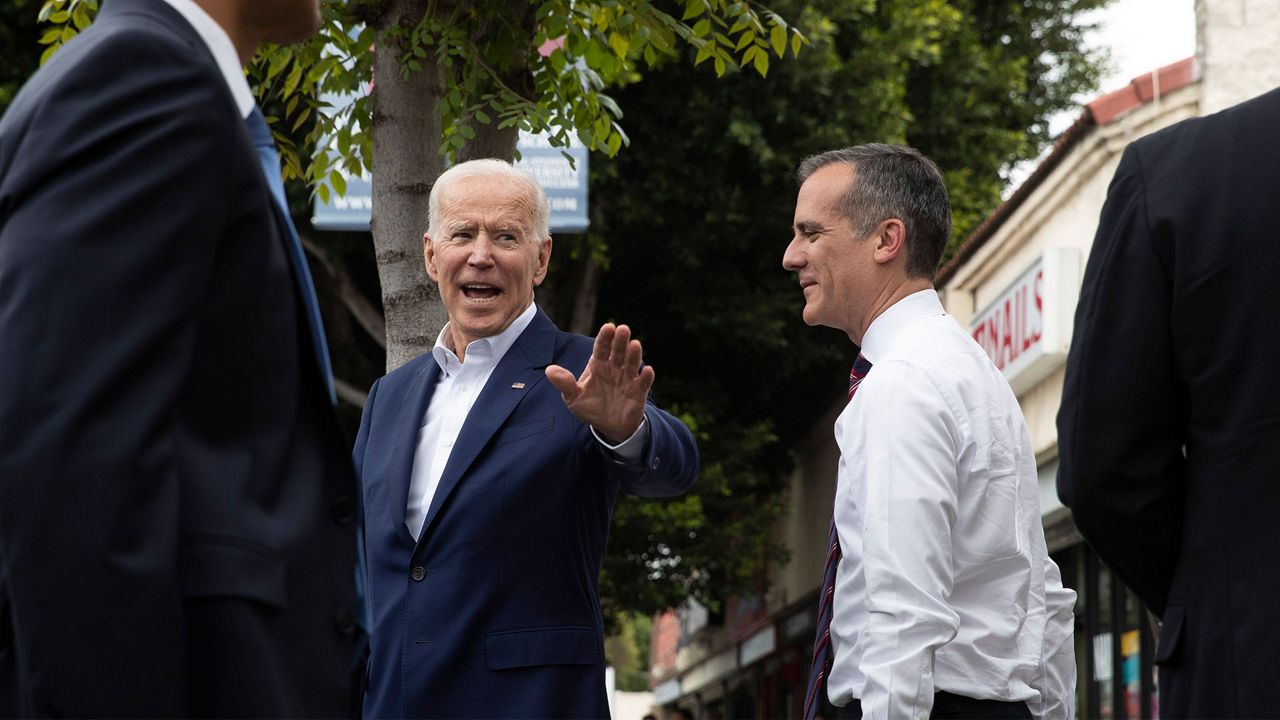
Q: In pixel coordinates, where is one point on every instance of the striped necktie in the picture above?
(265, 146)
(822, 644)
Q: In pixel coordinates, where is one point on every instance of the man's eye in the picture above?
(507, 237)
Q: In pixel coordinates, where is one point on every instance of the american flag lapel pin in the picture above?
(517, 386)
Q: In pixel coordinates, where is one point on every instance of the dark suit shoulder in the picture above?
(1186, 140)
(407, 371)
(128, 68)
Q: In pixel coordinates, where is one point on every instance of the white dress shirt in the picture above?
(945, 583)
(457, 388)
(223, 50)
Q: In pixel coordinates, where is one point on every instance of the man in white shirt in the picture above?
(177, 505)
(942, 600)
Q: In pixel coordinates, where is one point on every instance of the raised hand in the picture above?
(610, 395)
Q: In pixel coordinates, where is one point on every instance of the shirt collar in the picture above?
(878, 338)
(494, 347)
(223, 50)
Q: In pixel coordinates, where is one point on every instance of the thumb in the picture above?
(564, 381)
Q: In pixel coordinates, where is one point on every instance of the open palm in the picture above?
(610, 395)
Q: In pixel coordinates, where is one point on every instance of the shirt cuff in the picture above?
(631, 449)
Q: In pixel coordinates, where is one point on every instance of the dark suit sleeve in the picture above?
(110, 203)
(1124, 406)
(669, 465)
(366, 419)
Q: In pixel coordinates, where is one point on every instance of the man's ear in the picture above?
(891, 240)
(429, 257)
(544, 258)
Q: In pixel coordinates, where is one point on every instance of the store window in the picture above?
(1114, 641)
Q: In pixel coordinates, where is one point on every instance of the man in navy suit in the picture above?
(177, 506)
(490, 467)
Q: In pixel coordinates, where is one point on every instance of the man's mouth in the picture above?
(480, 291)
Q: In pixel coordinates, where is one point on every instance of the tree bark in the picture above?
(406, 162)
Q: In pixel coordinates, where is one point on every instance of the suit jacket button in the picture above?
(343, 511)
(344, 621)
(656, 462)
(417, 573)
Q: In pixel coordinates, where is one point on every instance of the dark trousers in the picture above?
(949, 706)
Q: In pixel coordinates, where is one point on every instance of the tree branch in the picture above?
(364, 311)
(349, 393)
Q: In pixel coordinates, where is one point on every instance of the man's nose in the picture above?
(792, 258)
(481, 251)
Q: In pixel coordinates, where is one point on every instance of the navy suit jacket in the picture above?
(494, 611)
(1169, 430)
(177, 504)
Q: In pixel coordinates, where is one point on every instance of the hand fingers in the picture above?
(564, 381)
(631, 363)
(604, 342)
(618, 352)
(646, 379)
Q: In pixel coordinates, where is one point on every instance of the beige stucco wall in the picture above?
(1237, 42)
(806, 528)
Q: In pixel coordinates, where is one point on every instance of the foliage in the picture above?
(627, 651)
(19, 53)
(695, 216)
(588, 45)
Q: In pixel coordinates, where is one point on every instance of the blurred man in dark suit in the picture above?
(1170, 422)
(177, 507)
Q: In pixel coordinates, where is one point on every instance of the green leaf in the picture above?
(778, 37)
(483, 117)
(50, 35)
(338, 181)
(615, 144)
(59, 17)
(291, 82)
(720, 67)
(762, 63)
(80, 17)
(701, 28)
(619, 44)
(692, 9)
(796, 41)
(744, 40)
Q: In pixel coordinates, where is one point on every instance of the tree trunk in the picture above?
(406, 162)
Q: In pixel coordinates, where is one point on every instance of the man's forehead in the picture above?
(503, 209)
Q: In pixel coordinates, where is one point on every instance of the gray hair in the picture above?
(893, 181)
(490, 167)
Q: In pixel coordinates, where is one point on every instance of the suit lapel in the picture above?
(421, 387)
(519, 372)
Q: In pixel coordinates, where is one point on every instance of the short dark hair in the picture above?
(893, 181)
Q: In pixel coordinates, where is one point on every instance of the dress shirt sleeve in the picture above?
(630, 450)
(1057, 684)
(908, 440)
